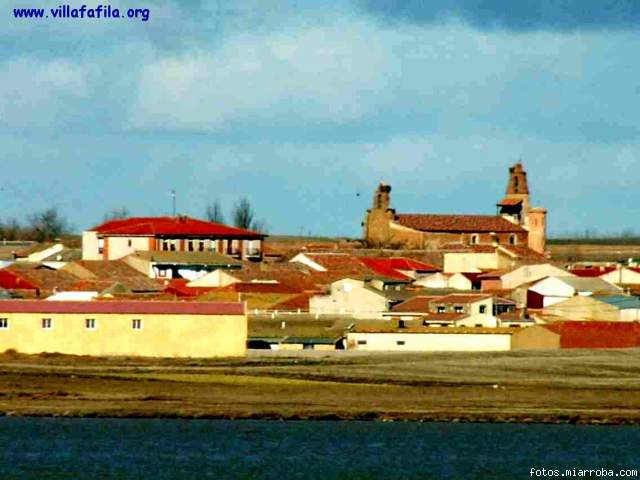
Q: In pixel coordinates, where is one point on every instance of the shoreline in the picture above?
(337, 417)
(552, 387)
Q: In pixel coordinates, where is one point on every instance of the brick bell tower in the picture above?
(516, 207)
(376, 223)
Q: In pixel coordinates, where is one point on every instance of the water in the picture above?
(47, 448)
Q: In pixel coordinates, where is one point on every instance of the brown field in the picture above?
(584, 252)
(560, 386)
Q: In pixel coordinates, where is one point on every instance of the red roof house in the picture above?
(118, 238)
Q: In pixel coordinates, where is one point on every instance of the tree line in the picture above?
(49, 224)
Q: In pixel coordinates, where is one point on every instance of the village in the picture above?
(177, 286)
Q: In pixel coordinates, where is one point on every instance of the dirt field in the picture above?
(559, 386)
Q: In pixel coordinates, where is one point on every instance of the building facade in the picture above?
(116, 239)
(131, 328)
(516, 223)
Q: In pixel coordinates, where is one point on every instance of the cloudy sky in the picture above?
(304, 106)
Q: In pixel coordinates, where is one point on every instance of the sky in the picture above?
(304, 107)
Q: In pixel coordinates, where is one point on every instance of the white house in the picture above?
(552, 290)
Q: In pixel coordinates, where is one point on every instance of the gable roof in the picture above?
(419, 304)
(31, 277)
(592, 271)
(462, 298)
(621, 302)
(181, 226)
(110, 271)
(457, 223)
(587, 284)
(188, 258)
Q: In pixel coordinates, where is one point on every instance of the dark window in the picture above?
(458, 309)
(483, 309)
(47, 323)
(90, 323)
(4, 323)
(129, 242)
(400, 342)
(136, 324)
(440, 309)
(362, 342)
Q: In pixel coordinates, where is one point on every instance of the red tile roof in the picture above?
(457, 223)
(592, 272)
(124, 307)
(461, 298)
(38, 278)
(342, 263)
(418, 304)
(258, 287)
(382, 266)
(390, 266)
(119, 271)
(299, 302)
(11, 281)
(459, 247)
(180, 226)
(508, 202)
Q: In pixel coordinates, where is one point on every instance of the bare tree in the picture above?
(243, 214)
(47, 225)
(213, 212)
(11, 230)
(117, 214)
(244, 217)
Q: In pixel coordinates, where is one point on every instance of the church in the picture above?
(516, 222)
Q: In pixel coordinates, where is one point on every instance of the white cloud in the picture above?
(333, 74)
(39, 93)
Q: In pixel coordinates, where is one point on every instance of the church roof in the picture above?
(508, 202)
(457, 223)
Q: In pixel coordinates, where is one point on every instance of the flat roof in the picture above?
(122, 307)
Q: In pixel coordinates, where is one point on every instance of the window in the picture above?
(90, 323)
(400, 342)
(101, 246)
(482, 309)
(458, 309)
(129, 242)
(136, 324)
(4, 323)
(474, 239)
(440, 309)
(47, 323)
(172, 245)
(479, 325)
(201, 246)
(362, 342)
(512, 239)
(190, 245)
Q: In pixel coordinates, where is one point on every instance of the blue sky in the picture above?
(304, 107)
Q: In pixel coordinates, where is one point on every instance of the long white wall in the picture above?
(430, 342)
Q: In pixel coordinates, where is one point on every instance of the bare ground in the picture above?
(557, 386)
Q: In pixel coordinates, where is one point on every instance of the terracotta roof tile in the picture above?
(183, 226)
(132, 307)
(462, 298)
(418, 304)
(457, 223)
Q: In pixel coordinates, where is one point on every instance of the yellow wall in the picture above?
(160, 336)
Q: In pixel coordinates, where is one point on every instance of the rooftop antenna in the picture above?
(173, 200)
